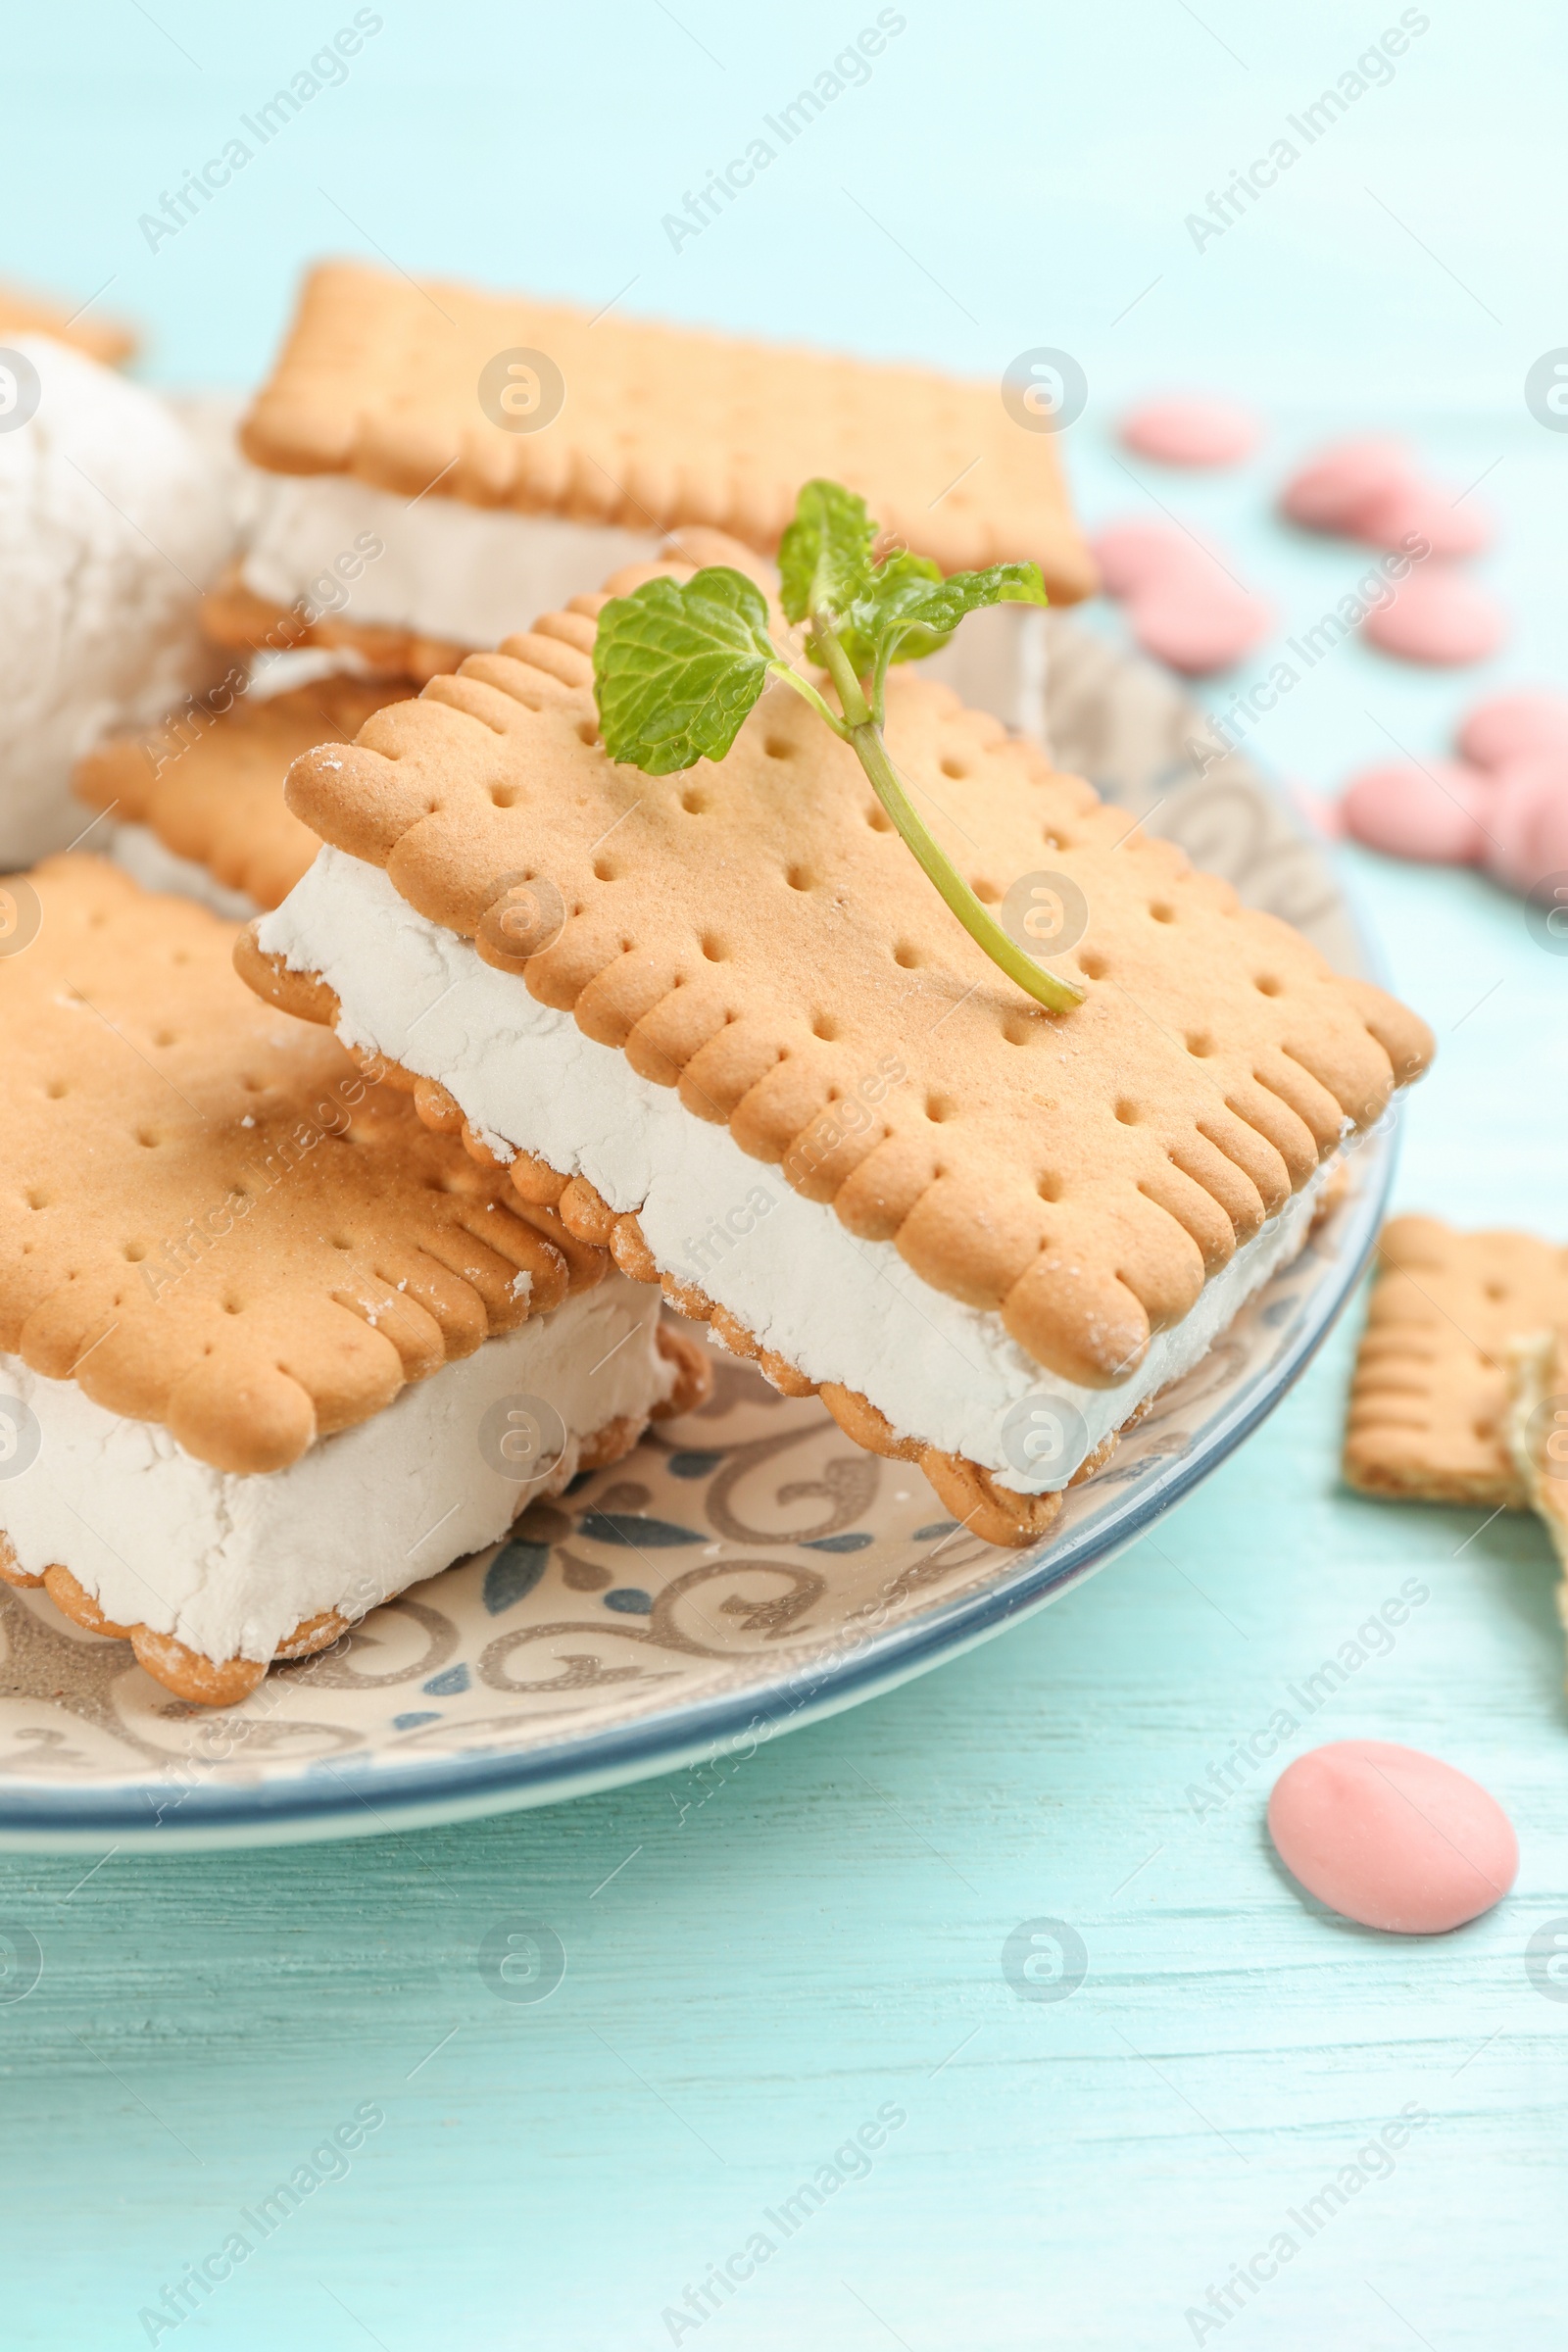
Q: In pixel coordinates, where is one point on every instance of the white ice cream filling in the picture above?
(139, 852)
(112, 519)
(839, 1308)
(230, 1565)
(470, 575)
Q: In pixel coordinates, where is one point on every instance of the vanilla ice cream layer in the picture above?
(470, 575)
(113, 520)
(839, 1308)
(232, 1565)
(138, 852)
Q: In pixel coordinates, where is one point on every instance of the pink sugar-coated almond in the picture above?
(1392, 1838)
(1325, 816)
(1198, 622)
(1132, 554)
(1551, 857)
(1408, 512)
(1437, 615)
(1515, 726)
(1432, 814)
(1191, 432)
(1334, 489)
(1527, 821)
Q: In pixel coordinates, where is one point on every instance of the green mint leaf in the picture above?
(677, 668)
(898, 583)
(824, 558)
(913, 611)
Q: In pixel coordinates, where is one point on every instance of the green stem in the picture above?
(879, 676)
(808, 693)
(1057, 996)
(859, 728)
(836, 662)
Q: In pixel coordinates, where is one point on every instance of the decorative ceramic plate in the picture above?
(747, 1570)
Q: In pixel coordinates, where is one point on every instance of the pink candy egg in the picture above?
(1333, 491)
(1514, 726)
(1527, 821)
(1392, 1838)
(1198, 623)
(1430, 813)
(1191, 432)
(1323, 815)
(1437, 615)
(1132, 554)
(1551, 854)
(1183, 605)
(1421, 513)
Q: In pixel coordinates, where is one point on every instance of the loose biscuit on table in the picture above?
(659, 426)
(1427, 1416)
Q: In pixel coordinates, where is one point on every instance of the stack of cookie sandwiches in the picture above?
(431, 467)
(274, 1348)
(298, 1309)
(719, 1022)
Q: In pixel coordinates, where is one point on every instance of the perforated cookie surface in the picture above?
(661, 426)
(212, 787)
(210, 1218)
(754, 933)
(1427, 1416)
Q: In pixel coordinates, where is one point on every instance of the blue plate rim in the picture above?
(388, 1796)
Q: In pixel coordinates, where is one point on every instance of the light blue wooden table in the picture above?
(784, 2013)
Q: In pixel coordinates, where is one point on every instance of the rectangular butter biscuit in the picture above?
(657, 425)
(501, 454)
(646, 994)
(254, 1312)
(1429, 1397)
(208, 787)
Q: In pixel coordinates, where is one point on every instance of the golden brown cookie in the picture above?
(234, 615)
(211, 787)
(754, 934)
(215, 1221)
(1429, 1397)
(658, 426)
(572, 1213)
(211, 1219)
(109, 341)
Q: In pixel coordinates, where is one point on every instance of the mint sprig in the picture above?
(681, 668)
(678, 666)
